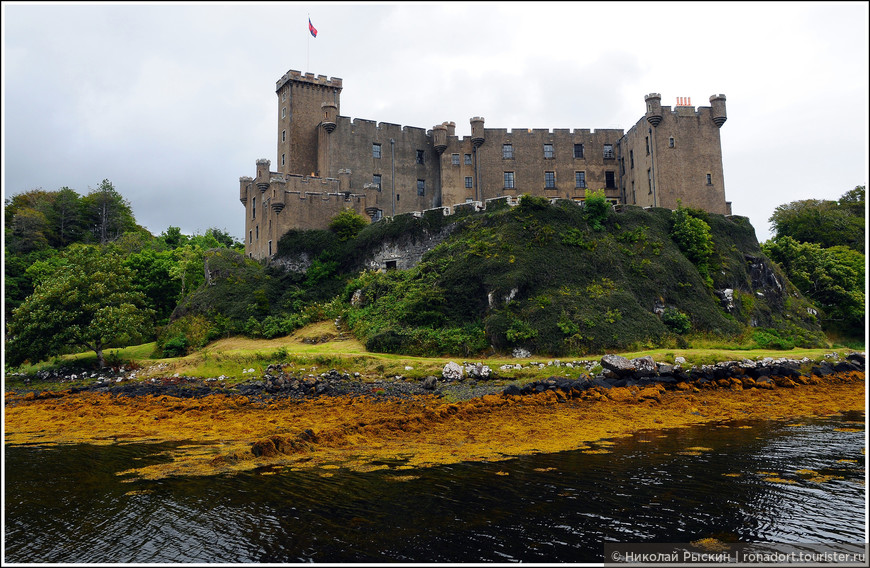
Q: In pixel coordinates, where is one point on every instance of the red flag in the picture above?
(311, 28)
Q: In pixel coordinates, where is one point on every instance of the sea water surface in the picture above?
(785, 482)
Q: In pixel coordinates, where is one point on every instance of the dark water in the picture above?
(65, 504)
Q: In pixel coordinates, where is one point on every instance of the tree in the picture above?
(29, 230)
(153, 277)
(64, 213)
(833, 278)
(225, 239)
(173, 237)
(823, 222)
(89, 301)
(347, 224)
(109, 215)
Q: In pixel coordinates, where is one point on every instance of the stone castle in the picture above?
(328, 163)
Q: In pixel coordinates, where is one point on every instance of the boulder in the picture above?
(619, 366)
(452, 372)
(478, 371)
(430, 382)
(646, 366)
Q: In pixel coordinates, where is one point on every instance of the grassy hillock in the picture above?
(554, 279)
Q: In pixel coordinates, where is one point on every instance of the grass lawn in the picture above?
(317, 348)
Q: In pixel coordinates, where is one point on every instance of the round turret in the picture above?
(244, 184)
(344, 179)
(451, 128)
(330, 110)
(263, 174)
(439, 138)
(477, 137)
(717, 102)
(278, 198)
(654, 108)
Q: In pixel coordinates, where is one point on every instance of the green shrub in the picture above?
(677, 321)
(694, 238)
(596, 208)
(770, 339)
(175, 347)
(529, 203)
(347, 224)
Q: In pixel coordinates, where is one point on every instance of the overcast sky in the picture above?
(173, 102)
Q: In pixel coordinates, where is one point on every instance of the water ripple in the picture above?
(773, 482)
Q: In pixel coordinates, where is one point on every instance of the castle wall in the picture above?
(275, 203)
(530, 162)
(328, 163)
(350, 146)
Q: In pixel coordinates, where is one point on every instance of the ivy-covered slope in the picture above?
(554, 279)
(540, 277)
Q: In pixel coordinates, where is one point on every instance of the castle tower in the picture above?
(717, 103)
(330, 111)
(477, 137)
(654, 108)
(439, 138)
(263, 176)
(305, 103)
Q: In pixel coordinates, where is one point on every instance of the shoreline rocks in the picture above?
(470, 380)
(769, 373)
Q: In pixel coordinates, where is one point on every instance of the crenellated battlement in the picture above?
(309, 78)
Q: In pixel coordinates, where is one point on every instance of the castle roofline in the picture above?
(298, 77)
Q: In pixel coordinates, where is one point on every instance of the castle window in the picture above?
(709, 179)
(421, 187)
(250, 236)
(376, 179)
(270, 248)
(609, 180)
(631, 158)
(649, 179)
(550, 180)
(419, 156)
(647, 145)
(257, 232)
(508, 180)
(283, 112)
(467, 159)
(454, 159)
(608, 151)
(282, 159)
(376, 150)
(468, 182)
(378, 215)
(548, 151)
(507, 151)
(253, 208)
(578, 150)
(580, 180)
(671, 142)
(397, 197)
(283, 136)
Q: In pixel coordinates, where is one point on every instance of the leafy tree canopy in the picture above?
(824, 222)
(88, 301)
(833, 278)
(347, 224)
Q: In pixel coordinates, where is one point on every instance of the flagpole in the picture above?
(308, 45)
